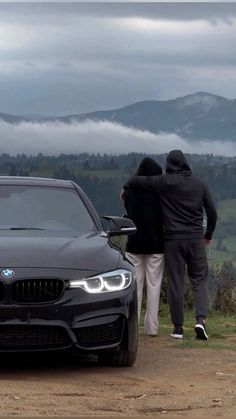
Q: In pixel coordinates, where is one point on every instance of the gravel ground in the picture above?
(167, 379)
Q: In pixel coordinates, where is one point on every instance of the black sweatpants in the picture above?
(179, 254)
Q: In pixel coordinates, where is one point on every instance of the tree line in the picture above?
(102, 175)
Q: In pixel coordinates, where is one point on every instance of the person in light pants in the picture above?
(145, 248)
(151, 267)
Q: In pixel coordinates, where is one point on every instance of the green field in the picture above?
(101, 174)
(227, 210)
(218, 256)
(226, 215)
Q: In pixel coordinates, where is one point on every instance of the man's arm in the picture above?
(150, 183)
(211, 214)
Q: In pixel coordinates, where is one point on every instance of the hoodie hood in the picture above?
(149, 167)
(176, 163)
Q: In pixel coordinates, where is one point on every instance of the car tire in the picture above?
(120, 359)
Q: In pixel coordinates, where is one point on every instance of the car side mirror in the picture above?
(119, 226)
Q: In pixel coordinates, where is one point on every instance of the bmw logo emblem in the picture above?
(7, 273)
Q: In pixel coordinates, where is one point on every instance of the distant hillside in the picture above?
(197, 116)
(11, 119)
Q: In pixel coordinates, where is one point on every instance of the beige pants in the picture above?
(150, 267)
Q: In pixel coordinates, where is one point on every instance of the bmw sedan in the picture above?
(63, 284)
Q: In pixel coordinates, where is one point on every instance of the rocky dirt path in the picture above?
(167, 380)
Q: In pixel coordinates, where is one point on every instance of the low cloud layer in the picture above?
(98, 137)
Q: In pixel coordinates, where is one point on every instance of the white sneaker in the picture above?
(200, 329)
(177, 333)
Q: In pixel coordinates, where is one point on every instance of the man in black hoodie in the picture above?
(145, 248)
(183, 198)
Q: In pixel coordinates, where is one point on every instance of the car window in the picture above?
(43, 208)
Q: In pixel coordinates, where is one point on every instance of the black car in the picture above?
(63, 284)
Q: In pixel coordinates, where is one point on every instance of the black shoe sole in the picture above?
(200, 332)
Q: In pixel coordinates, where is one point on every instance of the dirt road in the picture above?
(167, 380)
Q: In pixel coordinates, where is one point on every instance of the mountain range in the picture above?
(197, 116)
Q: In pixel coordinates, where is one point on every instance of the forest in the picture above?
(102, 176)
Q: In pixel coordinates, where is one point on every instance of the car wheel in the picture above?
(119, 359)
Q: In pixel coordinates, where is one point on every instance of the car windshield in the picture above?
(46, 208)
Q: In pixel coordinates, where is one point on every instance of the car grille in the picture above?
(104, 334)
(19, 338)
(37, 290)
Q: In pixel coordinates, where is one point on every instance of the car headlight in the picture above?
(108, 282)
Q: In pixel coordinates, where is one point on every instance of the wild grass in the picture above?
(221, 330)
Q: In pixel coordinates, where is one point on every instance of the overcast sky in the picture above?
(68, 58)
(60, 58)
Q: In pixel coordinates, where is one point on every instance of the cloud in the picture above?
(60, 58)
(162, 9)
(53, 138)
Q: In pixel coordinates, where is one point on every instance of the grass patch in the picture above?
(227, 214)
(220, 328)
(218, 256)
(230, 243)
(227, 209)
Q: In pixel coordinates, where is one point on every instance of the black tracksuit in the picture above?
(183, 198)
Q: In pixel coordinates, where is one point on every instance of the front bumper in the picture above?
(78, 320)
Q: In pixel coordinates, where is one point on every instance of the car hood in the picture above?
(88, 252)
